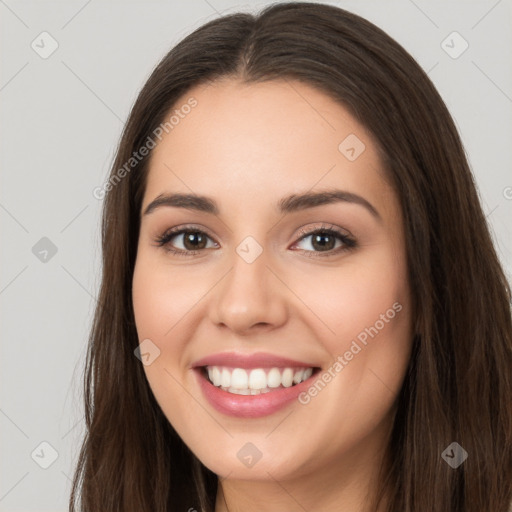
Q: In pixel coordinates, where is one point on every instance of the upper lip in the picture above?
(256, 360)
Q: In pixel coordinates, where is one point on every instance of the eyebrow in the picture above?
(289, 204)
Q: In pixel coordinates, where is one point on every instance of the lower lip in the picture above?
(250, 406)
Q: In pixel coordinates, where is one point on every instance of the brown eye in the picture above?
(323, 240)
(192, 239)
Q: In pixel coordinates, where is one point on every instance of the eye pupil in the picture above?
(190, 237)
(320, 240)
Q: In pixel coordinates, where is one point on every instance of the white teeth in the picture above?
(274, 378)
(287, 378)
(225, 378)
(298, 376)
(215, 378)
(258, 380)
(239, 379)
(237, 391)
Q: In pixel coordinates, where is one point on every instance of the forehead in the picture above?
(245, 143)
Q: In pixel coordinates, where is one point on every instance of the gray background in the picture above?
(61, 120)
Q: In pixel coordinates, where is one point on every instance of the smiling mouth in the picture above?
(256, 381)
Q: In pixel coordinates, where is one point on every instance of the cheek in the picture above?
(367, 305)
(368, 308)
(161, 297)
(158, 305)
(157, 310)
(360, 293)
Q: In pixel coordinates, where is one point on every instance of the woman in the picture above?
(231, 365)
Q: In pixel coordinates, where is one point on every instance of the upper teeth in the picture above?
(257, 380)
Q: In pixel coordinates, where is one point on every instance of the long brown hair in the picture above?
(458, 387)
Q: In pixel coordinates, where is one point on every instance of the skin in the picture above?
(247, 146)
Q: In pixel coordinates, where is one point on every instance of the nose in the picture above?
(251, 297)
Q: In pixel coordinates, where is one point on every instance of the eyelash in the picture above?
(348, 242)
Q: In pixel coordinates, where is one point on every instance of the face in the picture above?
(297, 309)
